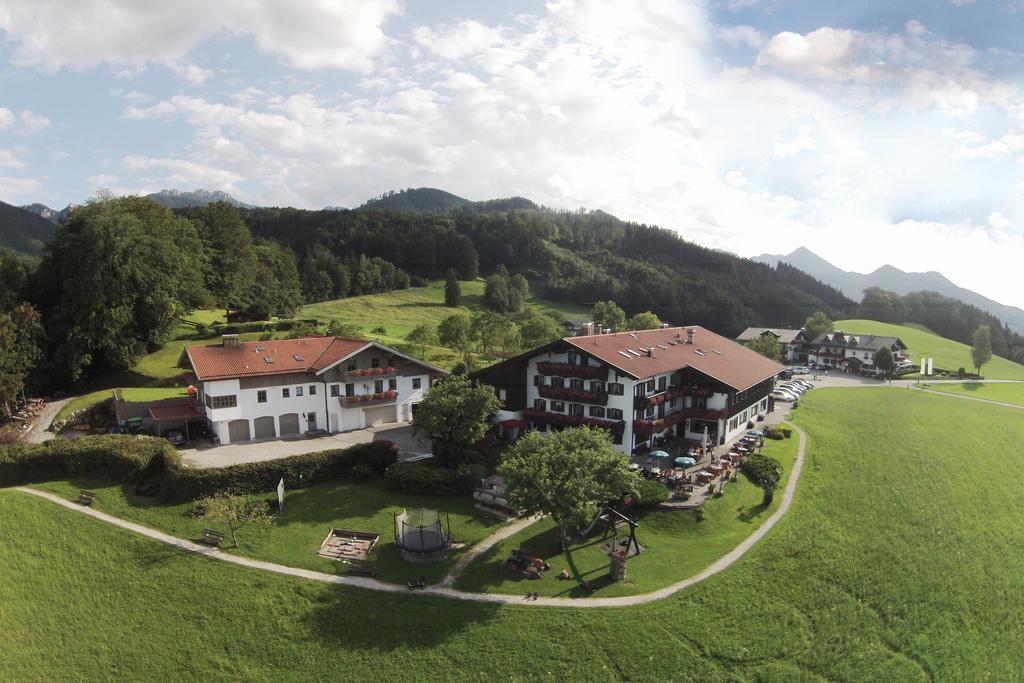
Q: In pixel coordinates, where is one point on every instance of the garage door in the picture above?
(238, 430)
(264, 427)
(382, 415)
(289, 424)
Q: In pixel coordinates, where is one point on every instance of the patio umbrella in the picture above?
(685, 461)
(658, 454)
(704, 439)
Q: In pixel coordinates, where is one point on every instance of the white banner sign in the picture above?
(280, 495)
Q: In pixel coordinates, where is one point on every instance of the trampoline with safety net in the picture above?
(420, 535)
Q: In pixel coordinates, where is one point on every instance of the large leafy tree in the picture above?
(766, 345)
(230, 266)
(276, 290)
(643, 321)
(235, 512)
(608, 314)
(566, 475)
(422, 336)
(884, 361)
(981, 351)
(20, 332)
(452, 290)
(456, 332)
(539, 330)
(454, 415)
(116, 279)
(495, 334)
(816, 324)
(13, 278)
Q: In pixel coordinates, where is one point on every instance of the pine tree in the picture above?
(452, 290)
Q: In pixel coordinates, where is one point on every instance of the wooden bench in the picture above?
(211, 537)
(86, 498)
(364, 567)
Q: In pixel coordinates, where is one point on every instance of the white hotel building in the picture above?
(288, 387)
(642, 386)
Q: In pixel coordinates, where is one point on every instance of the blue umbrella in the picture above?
(658, 454)
(685, 461)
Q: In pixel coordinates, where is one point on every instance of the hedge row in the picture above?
(123, 458)
(761, 469)
(257, 477)
(117, 457)
(430, 480)
(261, 326)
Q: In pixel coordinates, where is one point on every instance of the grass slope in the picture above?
(677, 546)
(309, 515)
(1004, 393)
(900, 560)
(948, 354)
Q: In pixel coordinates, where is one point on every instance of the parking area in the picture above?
(256, 451)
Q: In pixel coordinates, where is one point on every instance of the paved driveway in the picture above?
(272, 449)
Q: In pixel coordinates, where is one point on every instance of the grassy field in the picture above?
(676, 544)
(948, 354)
(1004, 393)
(899, 561)
(309, 514)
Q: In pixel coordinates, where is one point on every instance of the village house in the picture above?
(792, 342)
(852, 352)
(288, 387)
(642, 386)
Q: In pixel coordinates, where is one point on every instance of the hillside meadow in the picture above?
(900, 560)
(948, 354)
(1008, 392)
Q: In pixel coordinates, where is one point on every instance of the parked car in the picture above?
(175, 437)
(792, 388)
(803, 383)
(783, 396)
(800, 370)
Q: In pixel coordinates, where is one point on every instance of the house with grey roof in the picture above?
(792, 341)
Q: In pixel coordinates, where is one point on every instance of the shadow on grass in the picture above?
(353, 620)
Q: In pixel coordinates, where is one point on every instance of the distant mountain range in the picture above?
(894, 280)
(176, 199)
(24, 231)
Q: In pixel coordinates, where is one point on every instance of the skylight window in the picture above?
(297, 357)
(269, 360)
(623, 353)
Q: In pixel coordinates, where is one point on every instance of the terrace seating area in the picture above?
(689, 484)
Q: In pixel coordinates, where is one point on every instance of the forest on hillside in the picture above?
(580, 257)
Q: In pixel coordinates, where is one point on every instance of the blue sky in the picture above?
(870, 132)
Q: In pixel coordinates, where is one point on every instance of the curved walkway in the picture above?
(483, 546)
(445, 591)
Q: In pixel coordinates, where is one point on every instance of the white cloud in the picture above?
(345, 34)
(824, 53)
(742, 36)
(33, 123)
(19, 189)
(803, 140)
(914, 27)
(10, 159)
(192, 74)
(6, 118)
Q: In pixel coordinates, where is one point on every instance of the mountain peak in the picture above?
(178, 199)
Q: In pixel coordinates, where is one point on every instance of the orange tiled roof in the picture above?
(723, 359)
(249, 359)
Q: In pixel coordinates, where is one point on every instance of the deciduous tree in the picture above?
(767, 345)
(884, 362)
(230, 264)
(981, 352)
(235, 512)
(422, 336)
(566, 475)
(608, 314)
(454, 415)
(643, 321)
(815, 325)
(452, 290)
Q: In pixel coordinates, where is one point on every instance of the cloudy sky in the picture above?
(870, 132)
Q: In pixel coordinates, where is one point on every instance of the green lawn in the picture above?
(899, 561)
(677, 546)
(948, 354)
(1004, 393)
(309, 515)
(400, 311)
(127, 393)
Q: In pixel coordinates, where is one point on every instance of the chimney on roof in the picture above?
(689, 335)
(229, 341)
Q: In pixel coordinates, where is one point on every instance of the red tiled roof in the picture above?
(249, 359)
(723, 359)
(175, 411)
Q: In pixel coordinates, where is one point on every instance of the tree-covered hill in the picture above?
(23, 231)
(576, 257)
(432, 200)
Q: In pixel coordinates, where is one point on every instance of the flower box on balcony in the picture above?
(546, 417)
(371, 372)
(371, 398)
(563, 393)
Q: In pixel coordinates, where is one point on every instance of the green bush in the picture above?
(117, 457)
(761, 469)
(262, 326)
(649, 493)
(787, 432)
(774, 433)
(428, 479)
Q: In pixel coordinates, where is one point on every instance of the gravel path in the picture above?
(485, 545)
(444, 590)
(972, 398)
(40, 430)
